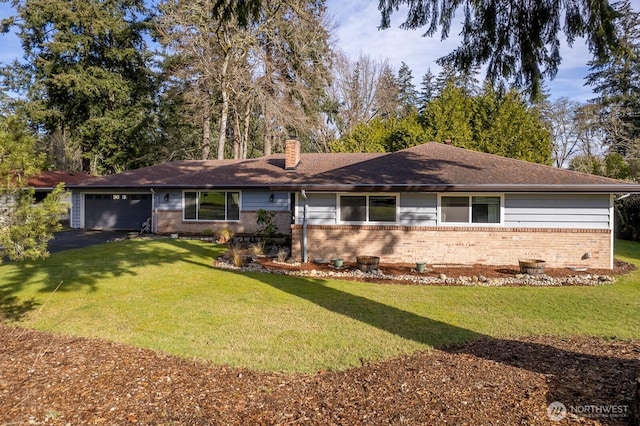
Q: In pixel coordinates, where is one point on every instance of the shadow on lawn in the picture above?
(575, 377)
(82, 270)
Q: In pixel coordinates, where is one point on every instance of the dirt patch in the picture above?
(52, 379)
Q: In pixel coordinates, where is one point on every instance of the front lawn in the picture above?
(165, 295)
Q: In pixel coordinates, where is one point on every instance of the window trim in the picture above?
(470, 198)
(367, 195)
(226, 211)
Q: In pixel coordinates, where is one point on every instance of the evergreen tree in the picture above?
(506, 125)
(427, 90)
(518, 40)
(86, 77)
(616, 81)
(466, 80)
(502, 124)
(25, 227)
(405, 132)
(449, 116)
(383, 135)
(363, 137)
(408, 96)
(387, 94)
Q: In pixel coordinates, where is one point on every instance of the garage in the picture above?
(116, 211)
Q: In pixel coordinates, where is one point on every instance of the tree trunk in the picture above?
(267, 141)
(247, 124)
(237, 138)
(206, 129)
(224, 113)
(266, 148)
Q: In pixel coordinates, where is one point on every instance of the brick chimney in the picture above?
(291, 154)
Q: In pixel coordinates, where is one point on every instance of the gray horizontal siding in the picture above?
(256, 200)
(322, 209)
(566, 211)
(415, 209)
(418, 209)
(557, 211)
(173, 203)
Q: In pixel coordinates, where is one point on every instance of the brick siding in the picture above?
(457, 245)
(170, 221)
(291, 154)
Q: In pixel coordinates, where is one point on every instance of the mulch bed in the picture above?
(59, 380)
(52, 379)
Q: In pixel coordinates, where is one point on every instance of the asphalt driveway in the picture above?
(79, 238)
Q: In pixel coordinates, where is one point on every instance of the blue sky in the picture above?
(357, 32)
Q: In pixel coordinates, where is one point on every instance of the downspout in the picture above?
(305, 258)
(154, 213)
(612, 228)
(612, 214)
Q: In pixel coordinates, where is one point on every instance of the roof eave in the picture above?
(556, 188)
(604, 189)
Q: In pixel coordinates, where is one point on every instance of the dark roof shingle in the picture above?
(428, 167)
(49, 179)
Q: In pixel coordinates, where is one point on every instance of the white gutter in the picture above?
(305, 257)
(622, 197)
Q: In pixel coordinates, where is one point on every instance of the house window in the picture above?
(470, 209)
(368, 208)
(212, 205)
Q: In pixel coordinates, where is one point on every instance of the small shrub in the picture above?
(238, 255)
(225, 235)
(283, 254)
(264, 219)
(258, 249)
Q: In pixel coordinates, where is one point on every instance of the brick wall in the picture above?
(170, 221)
(291, 154)
(462, 245)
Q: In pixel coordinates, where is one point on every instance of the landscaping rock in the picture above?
(389, 273)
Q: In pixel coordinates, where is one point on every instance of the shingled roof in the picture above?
(428, 167)
(49, 179)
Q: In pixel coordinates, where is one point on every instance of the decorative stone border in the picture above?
(442, 279)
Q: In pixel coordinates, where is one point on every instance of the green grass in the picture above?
(165, 295)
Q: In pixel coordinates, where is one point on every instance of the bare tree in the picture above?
(279, 64)
(363, 90)
(561, 117)
(291, 63)
(202, 55)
